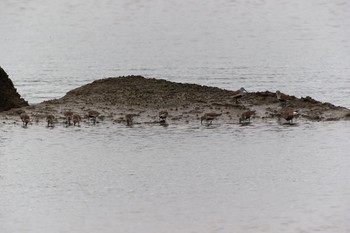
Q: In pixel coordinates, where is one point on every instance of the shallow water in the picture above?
(181, 178)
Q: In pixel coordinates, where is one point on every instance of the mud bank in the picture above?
(116, 97)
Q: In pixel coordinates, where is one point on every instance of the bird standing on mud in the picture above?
(68, 115)
(282, 98)
(76, 119)
(162, 116)
(49, 119)
(246, 116)
(290, 114)
(130, 118)
(93, 114)
(25, 119)
(238, 94)
(209, 117)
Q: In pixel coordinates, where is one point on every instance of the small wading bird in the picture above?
(282, 98)
(289, 115)
(25, 119)
(92, 114)
(76, 119)
(130, 118)
(69, 117)
(209, 117)
(238, 94)
(49, 119)
(246, 116)
(162, 116)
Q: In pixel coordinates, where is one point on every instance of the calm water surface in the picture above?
(183, 178)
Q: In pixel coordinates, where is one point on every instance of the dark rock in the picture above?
(9, 98)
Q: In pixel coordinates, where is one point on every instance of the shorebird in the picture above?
(50, 118)
(209, 117)
(130, 118)
(282, 98)
(92, 114)
(162, 116)
(25, 119)
(69, 116)
(246, 116)
(76, 119)
(290, 114)
(238, 94)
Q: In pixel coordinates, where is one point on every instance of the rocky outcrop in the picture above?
(9, 98)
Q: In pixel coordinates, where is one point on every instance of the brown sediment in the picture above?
(146, 97)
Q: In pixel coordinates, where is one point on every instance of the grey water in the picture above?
(183, 178)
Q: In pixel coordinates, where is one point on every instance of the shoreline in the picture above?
(116, 97)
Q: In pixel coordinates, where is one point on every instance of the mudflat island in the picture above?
(135, 99)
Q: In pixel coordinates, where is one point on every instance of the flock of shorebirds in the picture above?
(70, 117)
(287, 113)
(74, 119)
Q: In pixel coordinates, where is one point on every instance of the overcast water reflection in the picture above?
(261, 178)
(264, 177)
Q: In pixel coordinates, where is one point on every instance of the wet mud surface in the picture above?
(144, 98)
